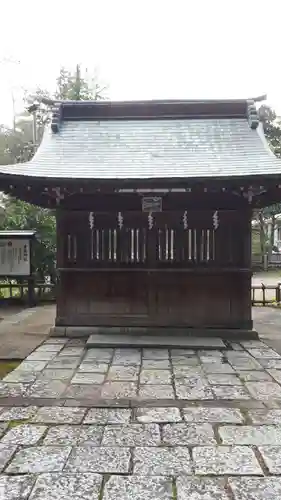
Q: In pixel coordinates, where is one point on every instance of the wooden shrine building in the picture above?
(154, 202)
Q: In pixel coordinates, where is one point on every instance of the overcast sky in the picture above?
(144, 49)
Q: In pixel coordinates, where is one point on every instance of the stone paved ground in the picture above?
(142, 424)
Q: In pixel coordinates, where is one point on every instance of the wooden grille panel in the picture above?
(112, 245)
(166, 239)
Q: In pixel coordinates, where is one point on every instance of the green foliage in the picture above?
(75, 87)
(272, 128)
(7, 367)
(21, 215)
(265, 242)
(256, 247)
(42, 113)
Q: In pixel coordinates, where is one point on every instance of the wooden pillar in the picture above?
(31, 300)
(248, 239)
(248, 263)
(60, 258)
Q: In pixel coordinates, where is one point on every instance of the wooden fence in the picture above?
(30, 293)
(11, 292)
(273, 260)
(266, 294)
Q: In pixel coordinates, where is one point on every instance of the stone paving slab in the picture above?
(56, 374)
(272, 458)
(275, 374)
(244, 363)
(63, 362)
(138, 488)
(230, 392)
(6, 453)
(201, 489)
(223, 379)
(117, 390)
(74, 435)
(264, 352)
(57, 415)
(123, 373)
(102, 459)
(156, 364)
(264, 390)
(225, 460)
(88, 378)
(42, 356)
(217, 367)
(71, 351)
(16, 487)
(155, 377)
(256, 488)
(101, 354)
(185, 361)
(131, 435)
(18, 413)
(52, 486)
(213, 415)
(265, 416)
(92, 366)
(251, 434)
(162, 461)
(84, 391)
(20, 376)
(153, 391)
(38, 459)
(254, 376)
(270, 363)
(25, 434)
(13, 389)
(158, 415)
(46, 388)
(180, 434)
(186, 389)
(103, 416)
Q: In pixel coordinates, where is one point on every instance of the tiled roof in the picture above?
(151, 148)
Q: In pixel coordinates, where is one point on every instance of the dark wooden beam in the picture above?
(97, 110)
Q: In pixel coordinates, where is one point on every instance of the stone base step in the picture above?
(168, 337)
(108, 340)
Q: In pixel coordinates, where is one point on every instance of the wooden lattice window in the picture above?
(126, 246)
(164, 239)
(71, 247)
(189, 246)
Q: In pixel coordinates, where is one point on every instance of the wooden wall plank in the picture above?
(158, 299)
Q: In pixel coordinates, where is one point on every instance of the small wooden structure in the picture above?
(154, 202)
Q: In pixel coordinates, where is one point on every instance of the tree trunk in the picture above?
(271, 237)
